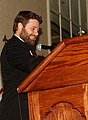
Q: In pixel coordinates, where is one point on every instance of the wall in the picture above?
(9, 9)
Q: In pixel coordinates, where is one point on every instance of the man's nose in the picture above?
(36, 32)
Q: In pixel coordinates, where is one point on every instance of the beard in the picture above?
(29, 39)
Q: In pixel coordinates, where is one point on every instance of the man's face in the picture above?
(29, 33)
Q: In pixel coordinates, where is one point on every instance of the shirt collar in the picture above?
(19, 38)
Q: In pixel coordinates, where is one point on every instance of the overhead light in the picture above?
(82, 32)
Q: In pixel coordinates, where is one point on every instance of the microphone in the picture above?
(39, 47)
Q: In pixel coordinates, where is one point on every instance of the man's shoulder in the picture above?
(15, 42)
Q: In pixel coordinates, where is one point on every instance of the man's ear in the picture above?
(20, 26)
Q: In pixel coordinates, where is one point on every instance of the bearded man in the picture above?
(18, 60)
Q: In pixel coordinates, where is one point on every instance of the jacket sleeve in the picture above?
(21, 59)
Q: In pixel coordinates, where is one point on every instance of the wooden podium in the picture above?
(58, 88)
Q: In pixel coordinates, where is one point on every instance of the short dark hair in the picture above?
(23, 17)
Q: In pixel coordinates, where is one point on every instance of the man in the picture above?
(18, 59)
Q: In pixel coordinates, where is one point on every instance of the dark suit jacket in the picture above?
(17, 61)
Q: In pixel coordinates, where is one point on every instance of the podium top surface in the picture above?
(66, 65)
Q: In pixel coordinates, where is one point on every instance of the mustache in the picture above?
(32, 37)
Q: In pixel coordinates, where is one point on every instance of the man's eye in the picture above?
(33, 28)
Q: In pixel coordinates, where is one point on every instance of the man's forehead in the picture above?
(33, 22)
